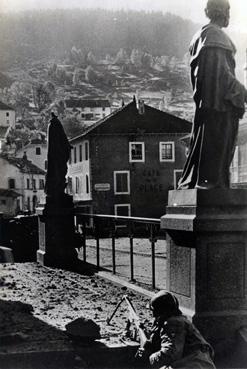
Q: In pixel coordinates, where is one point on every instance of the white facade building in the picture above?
(25, 178)
(7, 116)
(36, 151)
(79, 172)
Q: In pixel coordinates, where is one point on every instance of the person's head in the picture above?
(218, 11)
(53, 115)
(165, 304)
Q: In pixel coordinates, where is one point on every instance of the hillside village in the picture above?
(84, 88)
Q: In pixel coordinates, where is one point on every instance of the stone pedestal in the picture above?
(57, 233)
(207, 258)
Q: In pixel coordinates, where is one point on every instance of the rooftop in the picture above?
(8, 193)
(128, 119)
(4, 106)
(24, 165)
(86, 103)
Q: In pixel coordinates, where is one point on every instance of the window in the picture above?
(7, 114)
(75, 158)
(167, 151)
(177, 175)
(34, 184)
(86, 150)
(38, 151)
(28, 183)
(77, 184)
(87, 184)
(46, 164)
(41, 184)
(80, 152)
(136, 152)
(28, 203)
(11, 183)
(121, 182)
(3, 202)
(122, 210)
(69, 185)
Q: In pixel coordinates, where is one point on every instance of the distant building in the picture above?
(7, 121)
(126, 163)
(88, 110)
(7, 116)
(36, 151)
(23, 178)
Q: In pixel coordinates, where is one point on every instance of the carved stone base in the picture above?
(206, 251)
(56, 233)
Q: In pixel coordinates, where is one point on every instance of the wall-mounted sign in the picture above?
(102, 186)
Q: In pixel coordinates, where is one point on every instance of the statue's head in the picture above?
(53, 115)
(218, 11)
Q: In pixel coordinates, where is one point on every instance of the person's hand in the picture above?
(140, 353)
(154, 358)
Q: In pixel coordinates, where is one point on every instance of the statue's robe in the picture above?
(58, 156)
(219, 99)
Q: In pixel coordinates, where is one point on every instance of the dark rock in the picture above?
(83, 328)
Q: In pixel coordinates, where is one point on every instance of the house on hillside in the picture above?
(36, 152)
(24, 178)
(7, 121)
(88, 111)
(126, 163)
(7, 116)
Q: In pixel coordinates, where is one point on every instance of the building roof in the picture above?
(128, 120)
(24, 165)
(86, 103)
(4, 106)
(8, 193)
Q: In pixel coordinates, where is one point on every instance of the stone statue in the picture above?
(58, 156)
(219, 98)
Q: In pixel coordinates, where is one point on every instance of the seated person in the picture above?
(174, 341)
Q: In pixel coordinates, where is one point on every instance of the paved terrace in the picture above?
(37, 302)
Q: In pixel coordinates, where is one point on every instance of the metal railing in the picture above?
(101, 226)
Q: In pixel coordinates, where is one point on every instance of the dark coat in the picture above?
(175, 342)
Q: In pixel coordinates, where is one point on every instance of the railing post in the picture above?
(113, 233)
(84, 238)
(97, 243)
(131, 236)
(153, 240)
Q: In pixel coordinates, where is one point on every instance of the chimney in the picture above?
(24, 156)
(141, 107)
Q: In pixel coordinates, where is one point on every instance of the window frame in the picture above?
(86, 150)
(122, 205)
(115, 182)
(172, 143)
(131, 160)
(37, 150)
(14, 183)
